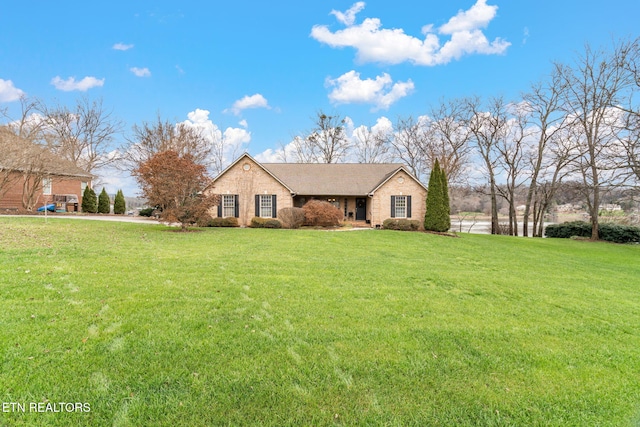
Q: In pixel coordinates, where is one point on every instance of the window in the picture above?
(400, 206)
(266, 205)
(229, 204)
(46, 186)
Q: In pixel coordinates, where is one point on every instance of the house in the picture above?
(367, 193)
(32, 176)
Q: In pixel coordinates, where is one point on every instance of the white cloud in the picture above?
(8, 92)
(478, 16)
(392, 46)
(383, 125)
(253, 101)
(381, 92)
(122, 46)
(348, 17)
(140, 72)
(228, 143)
(270, 156)
(243, 123)
(237, 137)
(71, 84)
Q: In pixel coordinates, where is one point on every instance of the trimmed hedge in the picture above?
(223, 222)
(609, 232)
(401, 224)
(257, 222)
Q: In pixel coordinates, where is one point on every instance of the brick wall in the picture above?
(12, 198)
(401, 184)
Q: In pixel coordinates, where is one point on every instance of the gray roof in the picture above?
(335, 179)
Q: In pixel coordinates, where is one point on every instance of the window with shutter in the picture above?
(400, 206)
(229, 205)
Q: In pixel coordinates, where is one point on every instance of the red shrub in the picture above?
(321, 213)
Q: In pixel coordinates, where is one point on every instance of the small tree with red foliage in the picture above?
(321, 213)
(177, 186)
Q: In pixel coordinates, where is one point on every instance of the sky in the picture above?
(258, 72)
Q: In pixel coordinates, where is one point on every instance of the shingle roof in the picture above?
(335, 179)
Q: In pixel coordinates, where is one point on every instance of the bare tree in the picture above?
(511, 159)
(594, 86)
(82, 135)
(149, 139)
(408, 142)
(547, 120)
(11, 158)
(447, 139)
(372, 145)
(304, 151)
(629, 60)
(22, 157)
(329, 138)
(488, 128)
(29, 125)
(326, 142)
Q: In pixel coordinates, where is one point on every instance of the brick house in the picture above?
(37, 177)
(367, 193)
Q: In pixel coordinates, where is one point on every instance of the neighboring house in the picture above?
(364, 192)
(32, 176)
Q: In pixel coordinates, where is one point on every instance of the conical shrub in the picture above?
(104, 203)
(89, 201)
(119, 205)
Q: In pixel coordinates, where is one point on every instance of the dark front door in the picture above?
(361, 209)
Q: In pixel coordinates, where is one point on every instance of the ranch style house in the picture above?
(367, 193)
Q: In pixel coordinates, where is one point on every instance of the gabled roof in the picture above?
(247, 156)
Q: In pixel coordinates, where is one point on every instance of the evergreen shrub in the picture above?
(119, 205)
(89, 201)
(223, 222)
(104, 202)
(401, 224)
(257, 222)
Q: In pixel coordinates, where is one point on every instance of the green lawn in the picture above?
(308, 327)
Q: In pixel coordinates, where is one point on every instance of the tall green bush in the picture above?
(89, 200)
(119, 205)
(104, 203)
(437, 215)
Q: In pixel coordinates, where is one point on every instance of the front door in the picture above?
(361, 209)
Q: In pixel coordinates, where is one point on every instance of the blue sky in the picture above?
(261, 70)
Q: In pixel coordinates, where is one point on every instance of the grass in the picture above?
(307, 327)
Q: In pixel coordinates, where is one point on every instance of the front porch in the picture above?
(355, 209)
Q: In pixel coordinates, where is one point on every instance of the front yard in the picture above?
(308, 327)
